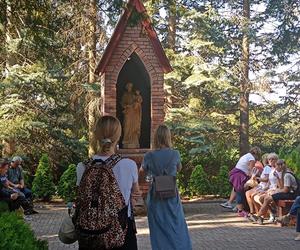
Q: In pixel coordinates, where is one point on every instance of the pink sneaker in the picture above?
(242, 214)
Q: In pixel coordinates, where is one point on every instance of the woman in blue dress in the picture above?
(168, 229)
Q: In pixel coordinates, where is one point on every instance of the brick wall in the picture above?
(135, 40)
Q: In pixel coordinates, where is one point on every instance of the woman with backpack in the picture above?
(168, 229)
(286, 190)
(99, 189)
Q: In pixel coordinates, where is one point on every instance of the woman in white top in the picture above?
(108, 132)
(253, 195)
(239, 175)
(270, 188)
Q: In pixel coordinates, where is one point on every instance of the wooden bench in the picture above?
(283, 207)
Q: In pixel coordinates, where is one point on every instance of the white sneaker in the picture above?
(297, 238)
(272, 218)
(227, 204)
(27, 218)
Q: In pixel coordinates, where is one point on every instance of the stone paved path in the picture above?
(210, 226)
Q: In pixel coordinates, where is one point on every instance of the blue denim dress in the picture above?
(168, 228)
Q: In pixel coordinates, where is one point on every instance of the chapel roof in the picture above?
(119, 30)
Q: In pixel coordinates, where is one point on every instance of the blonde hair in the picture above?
(108, 132)
(272, 155)
(264, 159)
(162, 137)
(256, 152)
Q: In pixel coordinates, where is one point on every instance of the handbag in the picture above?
(164, 185)
(67, 233)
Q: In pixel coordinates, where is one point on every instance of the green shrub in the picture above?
(3, 207)
(28, 178)
(221, 182)
(67, 184)
(17, 235)
(292, 159)
(43, 186)
(199, 182)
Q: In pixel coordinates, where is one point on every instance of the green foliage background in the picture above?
(44, 84)
(292, 159)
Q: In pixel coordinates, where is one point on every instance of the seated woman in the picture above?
(294, 212)
(287, 185)
(266, 181)
(263, 183)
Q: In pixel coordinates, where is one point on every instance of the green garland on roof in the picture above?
(135, 16)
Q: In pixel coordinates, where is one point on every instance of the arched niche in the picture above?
(134, 71)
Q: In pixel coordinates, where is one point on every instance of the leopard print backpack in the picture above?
(101, 212)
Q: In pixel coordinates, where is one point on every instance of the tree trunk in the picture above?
(9, 144)
(171, 44)
(92, 41)
(171, 38)
(244, 85)
(9, 147)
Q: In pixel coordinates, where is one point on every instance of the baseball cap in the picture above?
(16, 158)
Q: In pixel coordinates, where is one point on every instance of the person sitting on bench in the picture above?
(287, 186)
(13, 197)
(16, 176)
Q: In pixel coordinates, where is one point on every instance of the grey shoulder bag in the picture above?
(164, 185)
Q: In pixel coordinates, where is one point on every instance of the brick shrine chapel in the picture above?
(134, 54)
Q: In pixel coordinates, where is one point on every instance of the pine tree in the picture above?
(67, 184)
(43, 186)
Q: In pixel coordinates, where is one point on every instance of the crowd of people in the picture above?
(12, 186)
(258, 187)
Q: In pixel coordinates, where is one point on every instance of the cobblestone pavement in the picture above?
(210, 226)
